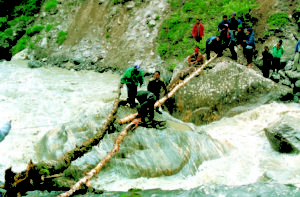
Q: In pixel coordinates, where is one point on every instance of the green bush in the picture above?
(21, 44)
(48, 27)
(50, 5)
(34, 30)
(62, 36)
(175, 37)
(278, 20)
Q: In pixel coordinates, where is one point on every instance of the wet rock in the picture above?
(155, 153)
(130, 5)
(293, 74)
(34, 64)
(284, 135)
(22, 55)
(297, 84)
(225, 86)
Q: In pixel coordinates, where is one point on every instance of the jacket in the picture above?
(195, 31)
(297, 49)
(250, 41)
(155, 86)
(129, 77)
(277, 53)
(222, 23)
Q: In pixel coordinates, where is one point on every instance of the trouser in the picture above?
(131, 93)
(297, 62)
(276, 63)
(266, 69)
(146, 111)
(233, 52)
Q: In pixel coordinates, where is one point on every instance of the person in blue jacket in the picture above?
(213, 44)
(221, 25)
(250, 46)
(297, 57)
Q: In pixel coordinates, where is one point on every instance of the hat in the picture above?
(240, 26)
(136, 66)
(197, 49)
(233, 13)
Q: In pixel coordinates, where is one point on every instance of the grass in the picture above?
(62, 36)
(48, 27)
(175, 41)
(34, 30)
(278, 20)
(50, 5)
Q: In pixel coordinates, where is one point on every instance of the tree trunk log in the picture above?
(172, 92)
(96, 170)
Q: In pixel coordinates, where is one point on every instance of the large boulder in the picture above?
(226, 89)
(284, 135)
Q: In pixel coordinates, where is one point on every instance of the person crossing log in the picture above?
(172, 92)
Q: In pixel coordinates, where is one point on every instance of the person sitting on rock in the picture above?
(132, 77)
(145, 108)
(198, 31)
(267, 62)
(250, 46)
(155, 84)
(278, 51)
(213, 44)
(196, 58)
(296, 65)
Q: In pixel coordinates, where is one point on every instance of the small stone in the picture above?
(130, 5)
(297, 84)
(34, 64)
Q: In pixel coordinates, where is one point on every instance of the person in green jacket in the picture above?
(132, 77)
(278, 51)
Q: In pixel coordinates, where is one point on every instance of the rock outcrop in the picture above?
(226, 89)
(284, 135)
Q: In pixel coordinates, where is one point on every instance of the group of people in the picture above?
(231, 34)
(133, 77)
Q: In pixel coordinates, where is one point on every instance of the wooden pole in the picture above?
(104, 161)
(172, 92)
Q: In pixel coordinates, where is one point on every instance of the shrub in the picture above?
(21, 44)
(48, 27)
(33, 30)
(50, 5)
(278, 20)
(62, 36)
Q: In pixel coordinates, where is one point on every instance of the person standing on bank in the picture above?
(233, 23)
(221, 25)
(297, 57)
(278, 51)
(155, 84)
(250, 46)
(267, 62)
(198, 31)
(132, 77)
(213, 44)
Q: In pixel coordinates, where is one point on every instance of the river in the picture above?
(224, 158)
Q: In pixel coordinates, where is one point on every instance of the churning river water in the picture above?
(236, 158)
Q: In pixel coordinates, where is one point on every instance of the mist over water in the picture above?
(230, 153)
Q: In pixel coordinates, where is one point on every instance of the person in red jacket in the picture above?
(198, 31)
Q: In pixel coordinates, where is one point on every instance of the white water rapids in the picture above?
(38, 100)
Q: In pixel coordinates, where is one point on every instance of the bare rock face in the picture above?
(284, 135)
(226, 89)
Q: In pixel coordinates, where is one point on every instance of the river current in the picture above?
(236, 157)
